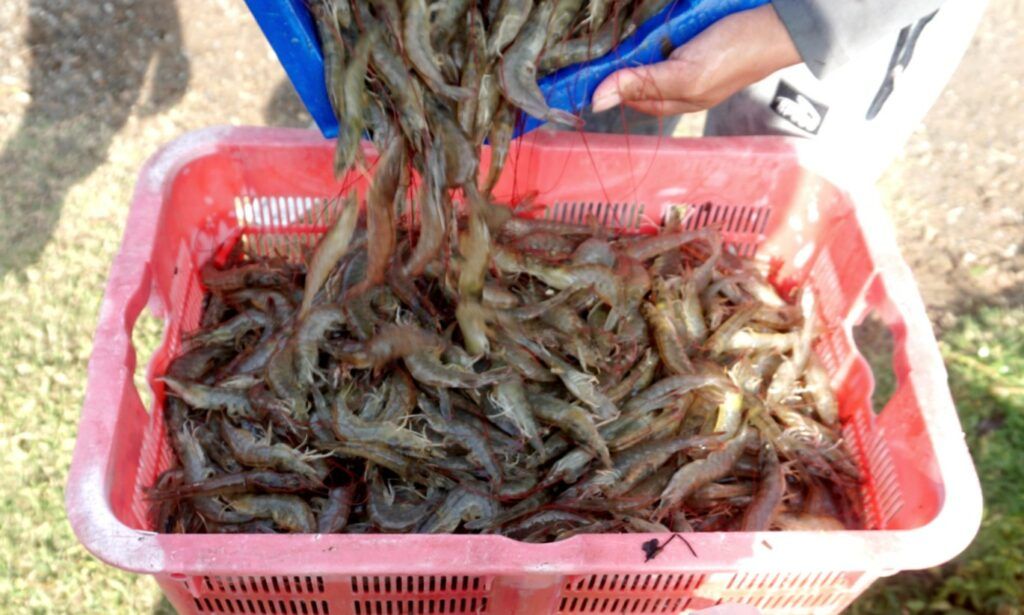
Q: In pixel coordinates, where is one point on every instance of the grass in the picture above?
(49, 313)
(985, 358)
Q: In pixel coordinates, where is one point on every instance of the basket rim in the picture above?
(113, 361)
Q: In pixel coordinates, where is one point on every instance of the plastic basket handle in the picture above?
(288, 27)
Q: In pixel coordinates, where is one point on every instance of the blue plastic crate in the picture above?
(289, 28)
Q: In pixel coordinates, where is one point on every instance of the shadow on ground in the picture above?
(284, 108)
(90, 64)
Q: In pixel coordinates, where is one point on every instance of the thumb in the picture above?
(655, 82)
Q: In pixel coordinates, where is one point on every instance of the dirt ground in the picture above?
(88, 90)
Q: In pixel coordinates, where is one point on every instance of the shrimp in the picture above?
(203, 397)
(432, 201)
(194, 364)
(549, 246)
(265, 404)
(246, 276)
(720, 341)
(283, 379)
(664, 391)
(354, 103)
(500, 136)
(698, 473)
(639, 377)
(510, 397)
(310, 333)
(333, 515)
(461, 162)
(594, 251)
(197, 469)
(515, 228)
(666, 338)
(646, 426)
(349, 427)
(565, 13)
(511, 16)
(542, 523)
(524, 363)
(407, 94)
(287, 511)
(692, 314)
(474, 66)
(427, 368)
(461, 505)
(232, 484)
(649, 247)
(333, 50)
(539, 308)
(497, 296)
(573, 420)
(273, 303)
(416, 36)
(518, 70)
(380, 455)
(391, 342)
(392, 517)
(583, 386)
(820, 388)
(380, 217)
(389, 12)
(760, 514)
(446, 20)
(489, 97)
(231, 330)
(401, 398)
(329, 250)
(254, 453)
(465, 434)
(632, 466)
(584, 48)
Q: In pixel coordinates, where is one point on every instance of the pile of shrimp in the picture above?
(645, 383)
(479, 372)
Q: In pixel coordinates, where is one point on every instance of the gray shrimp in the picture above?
(518, 69)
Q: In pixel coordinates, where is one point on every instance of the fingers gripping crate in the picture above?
(273, 189)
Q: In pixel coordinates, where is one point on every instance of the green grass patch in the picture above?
(985, 359)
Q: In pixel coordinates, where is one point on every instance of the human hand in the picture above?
(731, 54)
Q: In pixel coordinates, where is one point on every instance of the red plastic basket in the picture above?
(268, 187)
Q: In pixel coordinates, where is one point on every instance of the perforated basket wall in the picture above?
(273, 190)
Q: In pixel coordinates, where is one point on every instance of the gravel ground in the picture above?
(88, 90)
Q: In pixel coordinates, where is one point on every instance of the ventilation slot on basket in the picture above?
(881, 491)
(779, 581)
(783, 592)
(185, 302)
(629, 593)
(743, 226)
(285, 226)
(470, 605)
(635, 582)
(263, 585)
(665, 604)
(419, 585)
(261, 606)
(622, 216)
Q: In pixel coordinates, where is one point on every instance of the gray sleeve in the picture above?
(827, 33)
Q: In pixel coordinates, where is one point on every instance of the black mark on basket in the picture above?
(652, 547)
